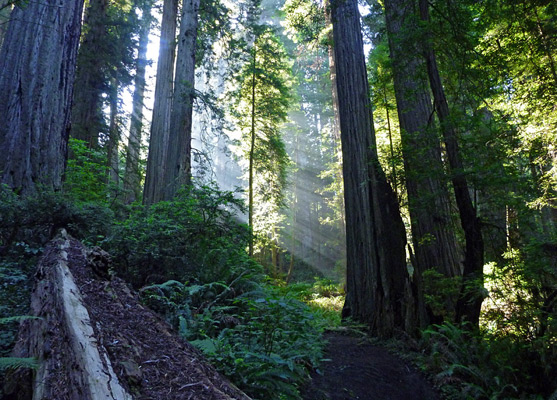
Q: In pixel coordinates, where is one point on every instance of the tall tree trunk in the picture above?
(252, 153)
(87, 117)
(113, 134)
(332, 71)
(471, 297)
(378, 291)
(335, 134)
(158, 142)
(178, 166)
(433, 235)
(37, 69)
(133, 175)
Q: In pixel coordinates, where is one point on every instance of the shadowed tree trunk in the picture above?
(433, 235)
(87, 118)
(114, 135)
(178, 166)
(471, 296)
(132, 179)
(156, 161)
(252, 151)
(37, 69)
(378, 290)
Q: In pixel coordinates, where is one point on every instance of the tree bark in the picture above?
(434, 240)
(87, 117)
(158, 142)
(132, 179)
(178, 171)
(37, 69)
(378, 291)
(113, 135)
(471, 296)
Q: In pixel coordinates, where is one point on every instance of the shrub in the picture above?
(196, 236)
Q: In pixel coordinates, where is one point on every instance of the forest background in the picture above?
(400, 166)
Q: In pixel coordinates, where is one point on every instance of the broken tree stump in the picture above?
(94, 340)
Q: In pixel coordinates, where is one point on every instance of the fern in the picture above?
(18, 362)
(17, 318)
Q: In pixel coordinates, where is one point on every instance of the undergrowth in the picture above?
(262, 337)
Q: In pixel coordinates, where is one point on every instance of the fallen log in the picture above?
(93, 340)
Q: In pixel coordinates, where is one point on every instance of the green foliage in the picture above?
(325, 298)
(305, 21)
(439, 290)
(260, 101)
(259, 336)
(18, 362)
(86, 173)
(468, 365)
(195, 236)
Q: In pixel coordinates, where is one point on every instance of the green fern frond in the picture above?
(17, 318)
(18, 362)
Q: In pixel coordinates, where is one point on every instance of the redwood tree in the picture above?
(472, 293)
(132, 181)
(37, 69)
(378, 290)
(87, 117)
(433, 235)
(178, 155)
(156, 160)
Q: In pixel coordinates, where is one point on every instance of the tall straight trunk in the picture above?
(378, 291)
(113, 134)
(332, 72)
(37, 70)
(433, 236)
(337, 157)
(391, 146)
(178, 166)
(133, 176)
(158, 142)
(87, 118)
(252, 153)
(471, 296)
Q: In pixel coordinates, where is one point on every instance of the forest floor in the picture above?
(354, 368)
(150, 360)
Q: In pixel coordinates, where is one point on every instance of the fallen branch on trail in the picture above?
(93, 339)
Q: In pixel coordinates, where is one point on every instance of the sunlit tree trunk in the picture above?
(37, 69)
(336, 124)
(178, 166)
(133, 177)
(378, 291)
(158, 142)
(471, 297)
(332, 71)
(433, 234)
(87, 117)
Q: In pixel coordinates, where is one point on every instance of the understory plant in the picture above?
(261, 337)
(196, 236)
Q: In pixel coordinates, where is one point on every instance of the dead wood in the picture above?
(94, 340)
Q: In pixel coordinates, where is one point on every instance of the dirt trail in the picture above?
(356, 369)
